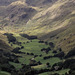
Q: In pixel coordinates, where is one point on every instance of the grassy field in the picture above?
(61, 72)
(16, 65)
(4, 73)
(33, 46)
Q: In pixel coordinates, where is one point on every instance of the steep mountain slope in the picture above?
(5, 2)
(15, 14)
(47, 19)
(53, 18)
(50, 18)
(39, 3)
(4, 43)
(37, 37)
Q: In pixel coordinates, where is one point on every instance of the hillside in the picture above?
(5, 2)
(39, 3)
(37, 37)
(48, 17)
(4, 45)
(47, 20)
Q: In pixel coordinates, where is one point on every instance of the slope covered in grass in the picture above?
(53, 21)
(4, 73)
(4, 43)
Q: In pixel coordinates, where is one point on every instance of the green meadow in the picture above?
(4, 73)
(33, 46)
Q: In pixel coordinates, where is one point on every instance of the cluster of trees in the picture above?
(10, 37)
(34, 63)
(16, 50)
(47, 57)
(6, 57)
(51, 44)
(28, 37)
(60, 55)
(70, 53)
(69, 63)
(46, 50)
(27, 70)
(4, 63)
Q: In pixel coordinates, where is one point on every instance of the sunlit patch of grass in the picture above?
(4, 73)
(16, 65)
(34, 47)
(43, 66)
(25, 59)
(51, 60)
(61, 72)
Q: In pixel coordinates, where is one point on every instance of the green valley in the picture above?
(37, 37)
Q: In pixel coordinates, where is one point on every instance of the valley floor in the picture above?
(38, 56)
